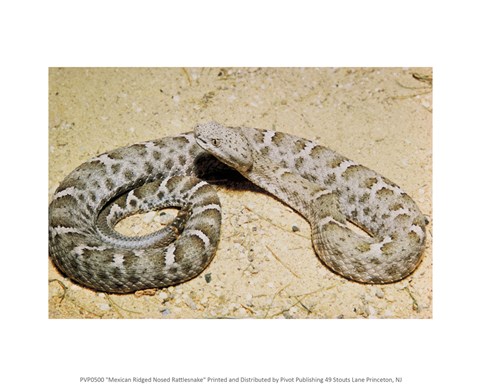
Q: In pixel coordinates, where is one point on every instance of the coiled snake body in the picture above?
(323, 186)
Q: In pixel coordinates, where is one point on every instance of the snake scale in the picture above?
(326, 188)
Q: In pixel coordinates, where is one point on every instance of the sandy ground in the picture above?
(380, 117)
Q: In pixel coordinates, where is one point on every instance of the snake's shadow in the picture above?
(213, 171)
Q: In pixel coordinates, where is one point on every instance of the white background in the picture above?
(36, 35)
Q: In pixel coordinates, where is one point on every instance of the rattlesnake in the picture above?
(323, 186)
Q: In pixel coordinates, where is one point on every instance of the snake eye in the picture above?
(215, 142)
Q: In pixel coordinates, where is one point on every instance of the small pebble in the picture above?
(426, 104)
(208, 277)
(293, 310)
(164, 218)
(104, 306)
(189, 301)
(148, 218)
(163, 295)
(388, 313)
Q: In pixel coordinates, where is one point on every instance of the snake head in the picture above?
(227, 144)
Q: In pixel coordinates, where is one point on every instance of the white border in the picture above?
(344, 33)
